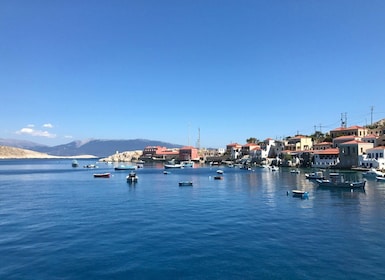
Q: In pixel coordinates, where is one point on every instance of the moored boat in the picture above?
(185, 184)
(300, 193)
(315, 175)
(126, 167)
(373, 173)
(380, 178)
(132, 177)
(337, 180)
(75, 163)
(102, 175)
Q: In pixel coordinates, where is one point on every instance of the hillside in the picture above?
(7, 152)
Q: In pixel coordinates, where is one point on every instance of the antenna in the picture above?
(371, 115)
(199, 139)
(343, 121)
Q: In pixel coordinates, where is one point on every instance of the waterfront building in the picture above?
(325, 158)
(373, 158)
(371, 138)
(234, 150)
(188, 153)
(351, 151)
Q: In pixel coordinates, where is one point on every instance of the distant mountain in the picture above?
(22, 144)
(96, 147)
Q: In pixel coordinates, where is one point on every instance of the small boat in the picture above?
(185, 184)
(102, 175)
(274, 168)
(220, 171)
(132, 177)
(315, 175)
(174, 165)
(90, 166)
(218, 177)
(295, 171)
(166, 172)
(380, 178)
(187, 163)
(126, 167)
(75, 163)
(373, 173)
(337, 180)
(300, 193)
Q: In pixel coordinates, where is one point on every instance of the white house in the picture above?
(325, 158)
(373, 158)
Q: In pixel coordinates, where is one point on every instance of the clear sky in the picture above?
(167, 69)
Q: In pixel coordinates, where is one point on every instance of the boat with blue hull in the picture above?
(337, 180)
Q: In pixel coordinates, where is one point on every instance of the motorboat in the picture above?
(75, 163)
(373, 173)
(318, 175)
(132, 177)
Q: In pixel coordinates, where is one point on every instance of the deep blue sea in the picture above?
(59, 222)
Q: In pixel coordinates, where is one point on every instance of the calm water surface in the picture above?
(58, 222)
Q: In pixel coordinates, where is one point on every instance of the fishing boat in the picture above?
(337, 180)
(102, 175)
(125, 167)
(132, 177)
(185, 184)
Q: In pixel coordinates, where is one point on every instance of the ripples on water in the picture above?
(61, 223)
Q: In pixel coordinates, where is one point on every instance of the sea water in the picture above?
(59, 222)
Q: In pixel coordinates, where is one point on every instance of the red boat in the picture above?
(102, 175)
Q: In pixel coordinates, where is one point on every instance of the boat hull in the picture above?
(102, 175)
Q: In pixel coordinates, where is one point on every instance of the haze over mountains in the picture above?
(96, 147)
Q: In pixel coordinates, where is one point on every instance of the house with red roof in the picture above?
(325, 158)
(355, 130)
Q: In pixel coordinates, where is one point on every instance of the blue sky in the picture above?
(165, 70)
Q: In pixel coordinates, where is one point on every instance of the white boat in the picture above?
(132, 177)
(337, 180)
(315, 175)
(295, 171)
(220, 171)
(300, 193)
(380, 178)
(75, 163)
(174, 165)
(373, 173)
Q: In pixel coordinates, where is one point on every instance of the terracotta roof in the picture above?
(353, 142)
(347, 137)
(370, 136)
(348, 128)
(331, 151)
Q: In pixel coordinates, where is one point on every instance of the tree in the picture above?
(252, 140)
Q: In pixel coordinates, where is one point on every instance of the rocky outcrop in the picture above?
(123, 157)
